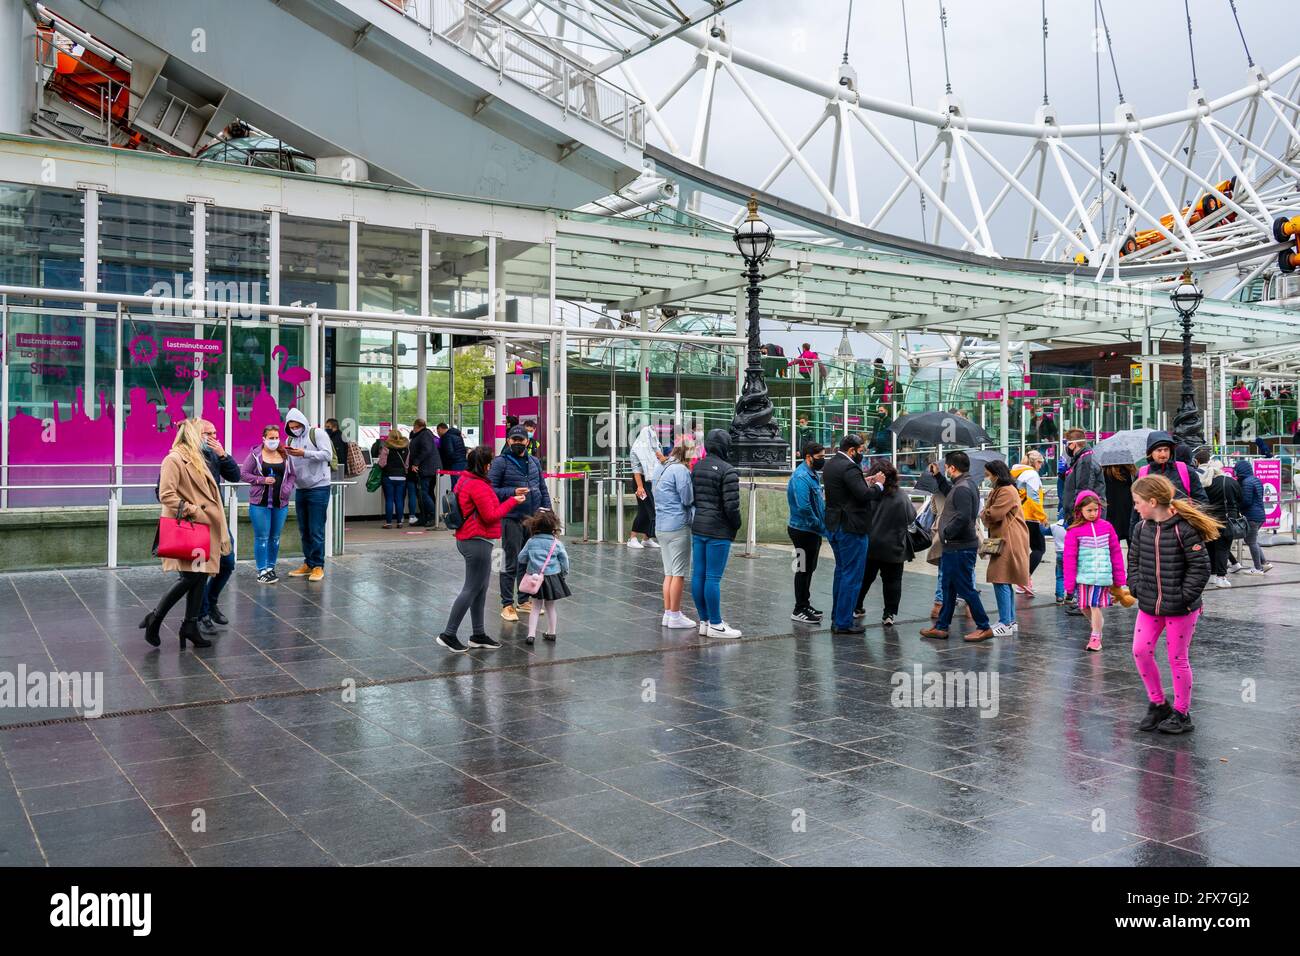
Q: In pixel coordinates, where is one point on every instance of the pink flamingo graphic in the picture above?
(295, 375)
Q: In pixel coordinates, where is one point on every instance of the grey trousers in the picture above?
(477, 553)
(1252, 542)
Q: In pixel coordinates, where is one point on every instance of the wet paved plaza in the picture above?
(625, 743)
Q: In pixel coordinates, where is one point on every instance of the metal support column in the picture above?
(90, 283)
(228, 425)
(198, 287)
(422, 347)
(1004, 387)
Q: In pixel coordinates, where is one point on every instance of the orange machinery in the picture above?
(1206, 205)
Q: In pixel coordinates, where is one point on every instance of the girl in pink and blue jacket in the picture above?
(1093, 561)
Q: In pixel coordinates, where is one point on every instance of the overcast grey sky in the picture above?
(995, 63)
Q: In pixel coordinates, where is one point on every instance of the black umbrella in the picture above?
(978, 459)
(939, 428)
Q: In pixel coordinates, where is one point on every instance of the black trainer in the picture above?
(451, 642)
(215, 615)
(804, 616)
(887, 620)
(851, 629)
(1176, 723)
(549, 637)
(815, 611)
(482, 640)
(1155, 714)
(530, 639)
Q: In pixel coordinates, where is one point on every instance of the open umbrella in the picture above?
(1122, 448)
(939, 428)
(978, 459)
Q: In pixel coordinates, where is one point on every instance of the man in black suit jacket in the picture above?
(849, 497)
(423, 476)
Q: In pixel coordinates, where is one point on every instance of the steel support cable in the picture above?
(911, 100)
(1110, 48)
(848, 27)
(1044, 5)
(1191, 48)
(943, 33)
(1250, 60)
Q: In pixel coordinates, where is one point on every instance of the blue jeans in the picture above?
(708, 561)
(1060, 576)
(850, 563)
(938, 585)
(309, 507)
(413, 495)
(267, 525)
(394, 500)
(1006, 599)
(212, 588)
(958, 568)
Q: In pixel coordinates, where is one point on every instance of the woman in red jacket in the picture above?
(482, 525)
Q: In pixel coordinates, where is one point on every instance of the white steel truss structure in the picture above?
(1199, 186)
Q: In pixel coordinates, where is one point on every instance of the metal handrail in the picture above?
(625, 118)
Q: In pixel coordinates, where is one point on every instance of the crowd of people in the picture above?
(1154, 536)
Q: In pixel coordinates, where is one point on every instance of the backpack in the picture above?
(452, 515)
(1182, 476)
(334, 455)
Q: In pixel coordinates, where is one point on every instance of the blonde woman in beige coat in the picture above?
(187, 489)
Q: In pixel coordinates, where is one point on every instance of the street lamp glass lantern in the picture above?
(753, 236)
(1186, 296)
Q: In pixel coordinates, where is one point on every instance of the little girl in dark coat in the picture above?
(1168, 569)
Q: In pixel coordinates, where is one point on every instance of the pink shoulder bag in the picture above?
(532, 583)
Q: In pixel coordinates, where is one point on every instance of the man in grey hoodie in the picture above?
(311, 451)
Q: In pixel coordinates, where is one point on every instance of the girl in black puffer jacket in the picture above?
(716, 485)
(1169, 567)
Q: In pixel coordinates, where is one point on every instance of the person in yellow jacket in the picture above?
(1029, 484)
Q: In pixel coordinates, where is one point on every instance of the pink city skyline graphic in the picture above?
(80, 439)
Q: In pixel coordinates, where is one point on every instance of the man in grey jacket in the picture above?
(957, 530)
(310, 451)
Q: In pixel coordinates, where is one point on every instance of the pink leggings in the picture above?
(1177, 641)
(551, 616)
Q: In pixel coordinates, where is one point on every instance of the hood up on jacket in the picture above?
(718, 442)
(296, 416)
(1242, 469)
(1156, 439)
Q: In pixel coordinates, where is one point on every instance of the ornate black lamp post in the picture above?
(756, 438)
(1187, 422)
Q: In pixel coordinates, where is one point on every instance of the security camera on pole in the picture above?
(755, 438)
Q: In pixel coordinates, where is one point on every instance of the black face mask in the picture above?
(517, 450)
(857, 457)
(817, 464)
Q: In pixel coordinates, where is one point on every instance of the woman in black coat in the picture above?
(715, 484)
(889, 546)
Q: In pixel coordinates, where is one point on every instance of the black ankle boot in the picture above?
(151, 624)
(1155, 714)
(190, 632)
(216, 617)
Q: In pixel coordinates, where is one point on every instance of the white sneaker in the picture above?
(1254, 570)
(678, 619)
(723, 630)
(651, 543)
(704, 628)
(663, 621)
(1221, 581)
(634, 543)
(1003, 630)
(1234, 568)
(1266, 568)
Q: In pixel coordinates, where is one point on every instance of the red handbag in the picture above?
(182, 538)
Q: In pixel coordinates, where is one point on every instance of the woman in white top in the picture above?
(646, 455)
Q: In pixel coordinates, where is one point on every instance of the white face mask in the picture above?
(271, 443)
